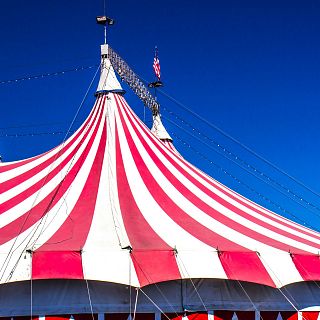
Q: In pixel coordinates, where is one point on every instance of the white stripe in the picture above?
(183, 163)
(189, 208)
(4, 176)
(200, 264)
(43, 173)
(280, 267)
(43, 230)
(23, 269)
(113, 266)
(258, 207)
(238, 218)
(71, 196)
(103, 258)
(159, 221)
(36, 198)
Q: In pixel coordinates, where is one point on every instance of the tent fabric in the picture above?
(114, 203)
(158, 128)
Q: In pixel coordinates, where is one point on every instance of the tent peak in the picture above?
(158, 128)
(108, 81)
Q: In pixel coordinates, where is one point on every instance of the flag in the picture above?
(156, 64)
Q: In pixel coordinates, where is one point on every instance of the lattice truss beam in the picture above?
(133, 81)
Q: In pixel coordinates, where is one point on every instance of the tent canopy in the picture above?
(115, 203)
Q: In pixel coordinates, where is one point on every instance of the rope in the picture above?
(45, 217)
(130, 286)
(135, 304)
(239, 143)
(31, 292)
(245, 165)
(249, 298)
(33, 231)
(154, 304)
(157, 287)
(315, 282)
(233, 139)
(195, 289)
(279, 289)
(90, 301)
(111, 178)
(275, 204)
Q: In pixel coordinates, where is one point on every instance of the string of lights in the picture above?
(200, 154)
(48, 74)
(211, 140)
(251, 173)
(263, 197)
(234, 157)
(32, 134)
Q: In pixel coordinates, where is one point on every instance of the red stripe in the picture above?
(245, 266)
(157, 263)
(230, 193)
(56, 265)
(225, 220)
(9, 184)
(5, 206)
(33, 215)
(168, 205)
(197, 316)
(308, 266)
(154, 266)
(72, 235)
(79, 221)
(6, 166)
(310, 315)
(202, 205)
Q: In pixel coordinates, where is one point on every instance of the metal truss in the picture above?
(133, 81)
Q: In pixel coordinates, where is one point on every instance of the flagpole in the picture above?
(157, 83)
(156, 78)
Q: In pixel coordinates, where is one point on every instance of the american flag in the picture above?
(156, 64)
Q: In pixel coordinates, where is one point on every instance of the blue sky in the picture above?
(250, 67)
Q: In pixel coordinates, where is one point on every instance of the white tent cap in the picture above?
(158, 128)
(108, 80)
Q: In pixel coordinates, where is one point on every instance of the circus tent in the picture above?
(115, 217)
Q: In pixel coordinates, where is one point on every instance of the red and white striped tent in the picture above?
(116, 207)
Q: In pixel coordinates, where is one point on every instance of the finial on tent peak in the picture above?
(105, 21)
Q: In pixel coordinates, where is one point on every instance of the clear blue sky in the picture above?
(250, 67)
